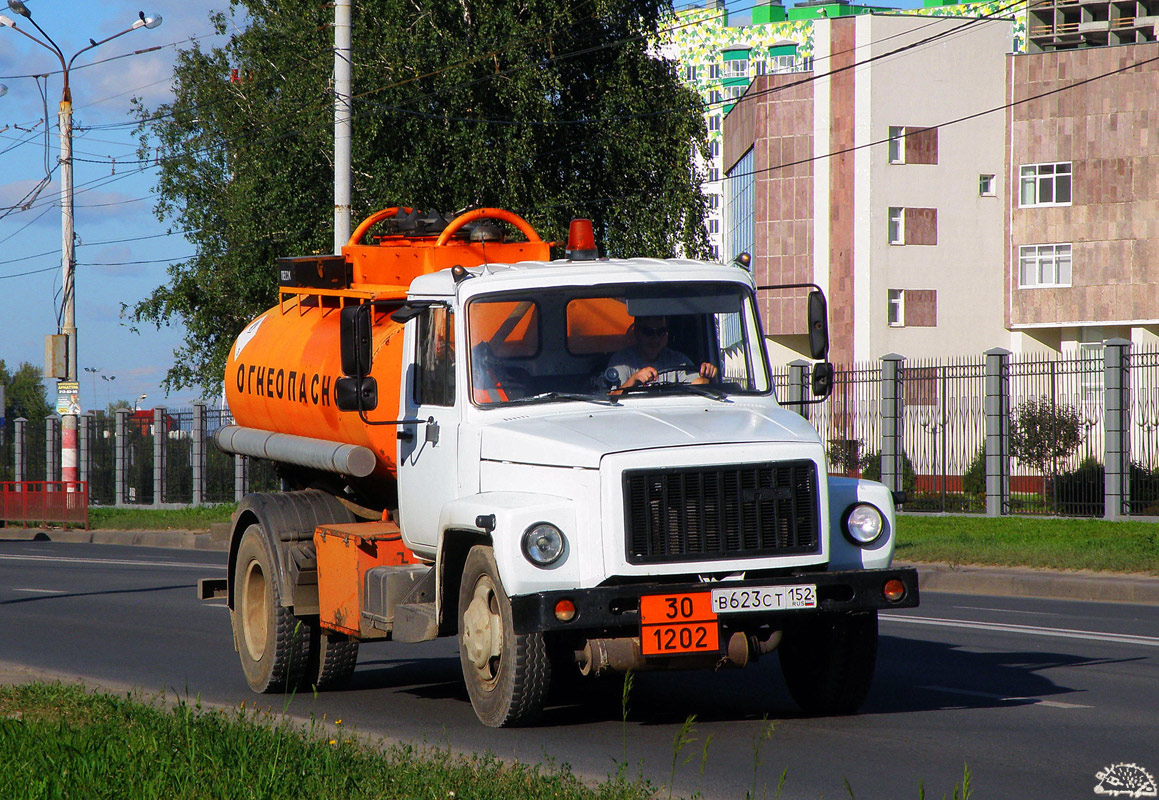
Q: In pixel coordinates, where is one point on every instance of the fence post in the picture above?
(198, 454)
(84, 430)
(892, 421)
(20, 445)
(241, 477)
(1117, 430)
(121, 457)
(798, 380)
(52, 448)
(997, 410)
(160, 435)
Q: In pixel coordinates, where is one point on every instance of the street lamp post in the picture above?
(67, 240)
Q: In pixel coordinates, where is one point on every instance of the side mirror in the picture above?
(354, 339)
(818, 327)
(822, 379)
(356, 394)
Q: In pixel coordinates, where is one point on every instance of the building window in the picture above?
(986, 186)
(1044, 265)
(1091, 359)
(713, 174)
(714, 122)
(737, 68)
(913, 145)
(714, 72)
(691, 73)
(896, 225)
(714, 148)
(896, 143)
(713, 226)
(715, 96)
(713, 201)
(1045, 184)
(733, 92)
(759, 67)
(740, 205)
(896, 308)
(913, 226)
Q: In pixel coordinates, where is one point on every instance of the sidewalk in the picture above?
(950, 578)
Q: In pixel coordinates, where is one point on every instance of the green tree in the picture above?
(24, 393)
(552, 110)
(1042, 432)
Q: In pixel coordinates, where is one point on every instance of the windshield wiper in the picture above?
(557, 396)
(704, 390)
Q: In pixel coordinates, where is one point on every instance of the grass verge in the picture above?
(67, 742)
(153, 519)
(1063, 544)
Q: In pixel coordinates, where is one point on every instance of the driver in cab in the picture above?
(650, 358)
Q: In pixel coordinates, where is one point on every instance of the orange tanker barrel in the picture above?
(281, 371)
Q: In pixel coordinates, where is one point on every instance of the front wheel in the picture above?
(273, 644)
(828, 661)
(507, 674)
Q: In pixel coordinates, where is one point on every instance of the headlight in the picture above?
(543, 544)
(864, 524)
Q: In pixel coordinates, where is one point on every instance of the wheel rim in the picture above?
(483, 633)
(253, 610)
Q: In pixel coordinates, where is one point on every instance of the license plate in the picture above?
(763, 598)
(671, 624)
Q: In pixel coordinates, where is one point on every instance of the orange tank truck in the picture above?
(281, 372)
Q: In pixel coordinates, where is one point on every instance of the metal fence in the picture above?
(1063, 419)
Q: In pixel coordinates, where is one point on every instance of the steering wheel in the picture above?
(685, 367)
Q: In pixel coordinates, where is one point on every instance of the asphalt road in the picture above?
(1034, 696)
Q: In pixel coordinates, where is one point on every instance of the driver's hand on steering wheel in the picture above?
(709, 371)
(642, 375)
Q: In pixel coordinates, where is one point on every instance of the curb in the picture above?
(173, 539)
(933, 577)
(1108, 587)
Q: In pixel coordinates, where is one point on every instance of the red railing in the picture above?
(65, 502)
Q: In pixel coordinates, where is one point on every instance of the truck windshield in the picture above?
(585, 343)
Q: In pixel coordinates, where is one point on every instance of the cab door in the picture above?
(428, 451)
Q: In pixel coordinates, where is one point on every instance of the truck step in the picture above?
(415, 622)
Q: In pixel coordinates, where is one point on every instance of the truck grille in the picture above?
(694, 513)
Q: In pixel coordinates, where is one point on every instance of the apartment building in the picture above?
(879, 176)
(1082, 186)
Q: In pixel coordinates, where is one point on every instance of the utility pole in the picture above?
(68, 330)
(343, 124)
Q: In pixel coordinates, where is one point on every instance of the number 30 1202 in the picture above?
(679, 623)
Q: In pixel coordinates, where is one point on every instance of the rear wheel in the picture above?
(507, 674)
(333, 657)
(273, 644)
(828, 661)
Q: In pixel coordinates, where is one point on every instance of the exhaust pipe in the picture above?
(622, 654)
(345, 459)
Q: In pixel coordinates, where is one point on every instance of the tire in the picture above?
(507, 675)
(828, 661)
(273, 644)
(333, 657)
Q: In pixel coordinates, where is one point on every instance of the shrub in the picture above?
(974, 478)
(871, 470)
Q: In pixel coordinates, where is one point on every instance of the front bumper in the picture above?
(615, 610)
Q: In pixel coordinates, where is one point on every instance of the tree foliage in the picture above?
(551, 110)
(24, 393)
(1042, 431)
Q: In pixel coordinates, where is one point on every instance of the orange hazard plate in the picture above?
(671, 624)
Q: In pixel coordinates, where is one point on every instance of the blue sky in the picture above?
(123, 250)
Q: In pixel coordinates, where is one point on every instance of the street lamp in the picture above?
(68, 245)
(137, 402)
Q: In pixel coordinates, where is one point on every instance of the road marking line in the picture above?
(112, 562)
(1005, 698)
(1060, 633)
(41, 591)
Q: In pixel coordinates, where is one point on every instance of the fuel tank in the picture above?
(281, 371)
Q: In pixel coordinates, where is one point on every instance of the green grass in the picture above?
(62, 741)
(1066, 544)
(150, 519)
